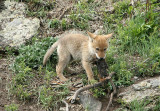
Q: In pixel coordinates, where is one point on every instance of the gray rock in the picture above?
(89, 103)
(155, 83)
(121, 109)
(141, 86)
(135, 77)
(141, 90)
(16, 29)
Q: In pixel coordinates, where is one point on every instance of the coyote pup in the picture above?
(78, 47)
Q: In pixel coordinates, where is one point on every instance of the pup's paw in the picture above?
(63, 79)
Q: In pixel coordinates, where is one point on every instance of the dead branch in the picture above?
(114, 87)
(110, 101)
(73, 98)
(67, 106)
(64, 11)
(112, 94)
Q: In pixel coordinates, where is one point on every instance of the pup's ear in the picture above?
(108, 36)
(91, 36)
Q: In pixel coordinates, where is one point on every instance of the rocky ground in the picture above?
(16, 29)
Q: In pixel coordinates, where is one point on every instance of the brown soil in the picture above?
(5, 96)
(4, 79)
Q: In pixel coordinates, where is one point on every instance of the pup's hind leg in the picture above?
(64, 58)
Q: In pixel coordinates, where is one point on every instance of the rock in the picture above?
(121, 109)
(141, 86)
(135, 77)
(155, 83)
(16, 29)
(141, 90)
(89, 103)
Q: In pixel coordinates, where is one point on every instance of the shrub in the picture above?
(31, 81)
(32, 55)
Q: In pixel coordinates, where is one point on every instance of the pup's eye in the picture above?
(104, 49)
(97, 49)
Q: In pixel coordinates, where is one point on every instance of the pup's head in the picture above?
(99, 44)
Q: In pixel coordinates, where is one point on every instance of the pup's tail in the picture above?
(49, 52)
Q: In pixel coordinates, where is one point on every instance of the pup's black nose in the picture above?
(101, 58)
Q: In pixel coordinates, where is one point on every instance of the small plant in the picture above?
(122, 9)
(138, 106)
(99, 92)
(64, 24)
(11, 107)
(57, 24)
(119, 65)
(21, 81)
(157, 105)
(22, 93)
(50, 98)
(121, 101)
(54, 23)
(152, 66)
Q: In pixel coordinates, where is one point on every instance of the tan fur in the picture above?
(78, 47)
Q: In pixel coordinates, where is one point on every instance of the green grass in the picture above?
(122, 9)
(138, 37)
(11, 107)
(39, 8)
(143, 105)
(31, 81)
(81, 15)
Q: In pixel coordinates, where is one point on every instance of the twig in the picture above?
(114, 87)
(64, 11)
(67, 106)
(73, 98)
(110, 101)
(112, 94)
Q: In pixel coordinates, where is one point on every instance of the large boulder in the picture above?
(141, 90)
(15, 27)
(89, 103)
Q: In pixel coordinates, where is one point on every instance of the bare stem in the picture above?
(73, 98)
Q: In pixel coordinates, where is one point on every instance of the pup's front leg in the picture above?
(88, 69)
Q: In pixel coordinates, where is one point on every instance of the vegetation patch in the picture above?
(31, 81)
(136, 36)
(11, 107)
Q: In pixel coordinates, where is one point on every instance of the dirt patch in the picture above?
(5, 97)
(4, 79)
